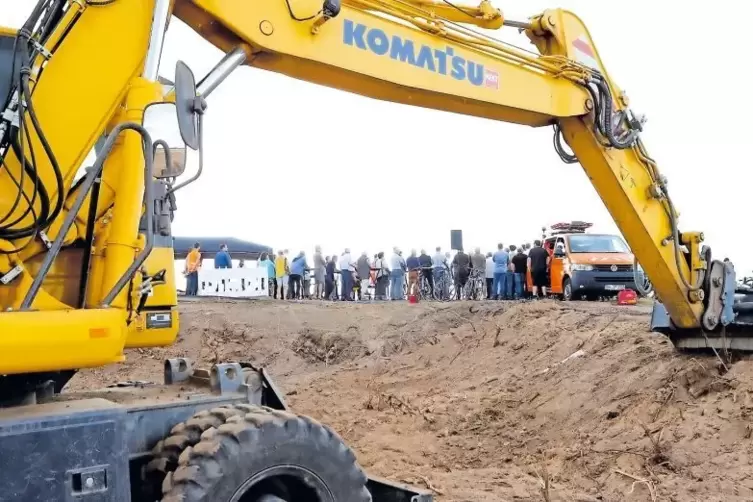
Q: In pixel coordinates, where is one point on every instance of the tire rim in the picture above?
(284, 483)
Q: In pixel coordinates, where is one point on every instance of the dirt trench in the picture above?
(541, 401)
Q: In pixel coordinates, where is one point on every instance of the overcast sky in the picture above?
(398, 175)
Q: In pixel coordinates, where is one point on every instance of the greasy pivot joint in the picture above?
(696, 296)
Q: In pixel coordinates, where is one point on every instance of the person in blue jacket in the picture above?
(297, 268)
(501, 261)
(222, 259)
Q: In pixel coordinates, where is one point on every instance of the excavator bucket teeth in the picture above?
(735, 335)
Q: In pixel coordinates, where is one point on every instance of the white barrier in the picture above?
(233, 282)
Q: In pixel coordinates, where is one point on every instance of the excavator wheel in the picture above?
(183, 435)
(265, 455)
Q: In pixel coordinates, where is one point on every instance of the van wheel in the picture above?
(267, 455)
(567, 290)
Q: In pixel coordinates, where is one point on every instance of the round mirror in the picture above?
(161, 120)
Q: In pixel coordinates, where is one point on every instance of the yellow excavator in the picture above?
(86, 261)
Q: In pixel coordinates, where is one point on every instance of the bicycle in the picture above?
(444, 286)
(425, 290)
(475, 288)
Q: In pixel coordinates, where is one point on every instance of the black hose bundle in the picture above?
(604, 121)
(26, 47)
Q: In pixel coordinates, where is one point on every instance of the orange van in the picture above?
(586, 265)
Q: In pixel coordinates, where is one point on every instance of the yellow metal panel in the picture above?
(122, 242)
(64, 339)
(163, 258)
(140, 336)
(345, 54)
(64, 277)
(97, 268)
(82, 86)
(165, 297)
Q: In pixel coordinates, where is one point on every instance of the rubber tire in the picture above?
(566, 284)
(183, 435)
(262, 438)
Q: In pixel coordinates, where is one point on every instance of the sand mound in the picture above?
(493, 401)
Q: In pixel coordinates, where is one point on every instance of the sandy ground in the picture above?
(492, 401)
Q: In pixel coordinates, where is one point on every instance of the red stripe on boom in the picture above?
(583, 46)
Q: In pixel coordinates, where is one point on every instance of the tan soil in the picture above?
(483, 402)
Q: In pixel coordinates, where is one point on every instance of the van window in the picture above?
(588, 243)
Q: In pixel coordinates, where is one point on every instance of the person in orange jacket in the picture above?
(193, 265)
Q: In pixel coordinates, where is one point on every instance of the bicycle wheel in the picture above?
(479, 285)
(438, 285)
(470, 293)
(440, 288)
(424, 291)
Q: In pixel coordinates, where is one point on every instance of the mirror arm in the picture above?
(172, 190)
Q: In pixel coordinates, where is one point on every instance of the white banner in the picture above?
(234, 282)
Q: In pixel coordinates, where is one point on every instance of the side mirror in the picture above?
(188, 105)
(160, 120)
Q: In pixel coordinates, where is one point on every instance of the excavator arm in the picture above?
(421, 53)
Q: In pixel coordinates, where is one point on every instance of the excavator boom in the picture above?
(406, 52)
(412, 52)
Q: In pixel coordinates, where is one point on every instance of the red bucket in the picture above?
(627, 297)
(412, 298)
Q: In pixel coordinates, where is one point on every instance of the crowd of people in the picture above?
(501, 274)
(222, 259)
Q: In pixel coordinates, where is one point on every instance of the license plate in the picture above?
(614, 287)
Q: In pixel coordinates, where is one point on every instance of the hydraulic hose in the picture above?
(44, 202)
(20, 183)
(36, 181)
(48, 151)
(607, 102)
(639, 284)
(31, 21)
(676, 240)
(567, 158)
(603, 120)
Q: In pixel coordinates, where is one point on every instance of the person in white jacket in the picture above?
(489, 275)
(397, 275)
(347, 267)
